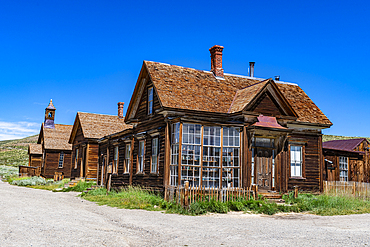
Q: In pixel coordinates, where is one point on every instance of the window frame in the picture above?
(127, 162)
(302, 161)
(340, 163)
(150, 101)
(61, 156)
(76, 158)
(141, 163)
(154, 155)
(115, 158)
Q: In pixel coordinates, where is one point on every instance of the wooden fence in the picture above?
(185, 195)
(351, 188)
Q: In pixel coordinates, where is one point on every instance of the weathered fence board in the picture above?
(351, 188)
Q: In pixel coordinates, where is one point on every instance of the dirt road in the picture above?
(30, 217)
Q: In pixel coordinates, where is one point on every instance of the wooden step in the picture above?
(270, 195)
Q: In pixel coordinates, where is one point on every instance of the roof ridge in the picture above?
(100, 114)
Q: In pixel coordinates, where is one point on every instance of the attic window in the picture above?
(150, 100)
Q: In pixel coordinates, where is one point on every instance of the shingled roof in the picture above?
(343, 145)
(56, 139)
(34, 148)
(96, 126)
(190, 89)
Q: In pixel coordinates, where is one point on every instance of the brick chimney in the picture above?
(120, 109)
(216, 60)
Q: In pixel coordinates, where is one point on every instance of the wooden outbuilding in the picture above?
(216, 130)
(35, 155)
(87, 129)
(56, 151)
(347, 160)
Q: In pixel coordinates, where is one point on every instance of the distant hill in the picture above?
(326, 138)
(14, 152)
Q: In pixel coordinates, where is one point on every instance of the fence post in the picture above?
(354, 189)
(186, 203)
(295, 191)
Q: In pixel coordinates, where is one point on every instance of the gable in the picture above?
(142, 107)
(267, 106)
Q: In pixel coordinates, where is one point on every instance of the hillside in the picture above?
(332, 137)
(14, 152)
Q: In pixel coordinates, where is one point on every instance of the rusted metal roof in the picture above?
(190, 89)
(34, 148)
(267, 122)
(344, 145)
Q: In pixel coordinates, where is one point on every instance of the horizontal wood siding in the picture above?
(35, 160)
(52, 163)
(311, 165)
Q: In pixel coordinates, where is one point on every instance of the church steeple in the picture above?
(49, 116)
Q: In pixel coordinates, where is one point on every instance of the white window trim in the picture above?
(156, 156)
(293, 173)
(127, 159)
(61, 154)
(150, 108)
(142, 163)
(341, 162)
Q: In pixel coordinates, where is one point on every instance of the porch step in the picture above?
(73, 182)
(271, 195)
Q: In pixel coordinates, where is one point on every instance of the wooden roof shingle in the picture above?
(190, 89)
(34, 148)
(57, 139)
(96, 126)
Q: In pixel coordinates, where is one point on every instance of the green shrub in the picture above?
(29, 181)
(80, 186)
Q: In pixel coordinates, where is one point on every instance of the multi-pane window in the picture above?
(201, 152)
(343, 168)
(115, 162)
(296, 161)
(154, 163)
(190, 154)
(61, 160)
(175, 139)
(150, 100)
(76, 158)
(211, 156)
(126, 167)
(141, 156)
(231, 157)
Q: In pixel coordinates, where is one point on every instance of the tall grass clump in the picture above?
(129, 197)
(8, 172)
(80, 186)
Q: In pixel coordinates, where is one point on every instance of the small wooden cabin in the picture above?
(56, 151)
(87, 129)
(347, 160)
(35, 155)
(214, 129)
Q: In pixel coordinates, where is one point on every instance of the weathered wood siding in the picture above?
(51, 164)
(35, 160)
(267, 106)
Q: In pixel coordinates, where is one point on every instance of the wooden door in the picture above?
(264, 165)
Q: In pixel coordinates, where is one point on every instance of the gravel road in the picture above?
(30, 217)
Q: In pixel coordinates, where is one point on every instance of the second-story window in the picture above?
(150, 100)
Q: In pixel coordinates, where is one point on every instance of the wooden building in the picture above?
(87, 129)
(35, 155)
(56, 151)
(347, 160)
(215, 129)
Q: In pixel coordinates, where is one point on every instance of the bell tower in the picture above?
(49, 116)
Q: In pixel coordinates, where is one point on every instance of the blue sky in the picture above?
(87, 55)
